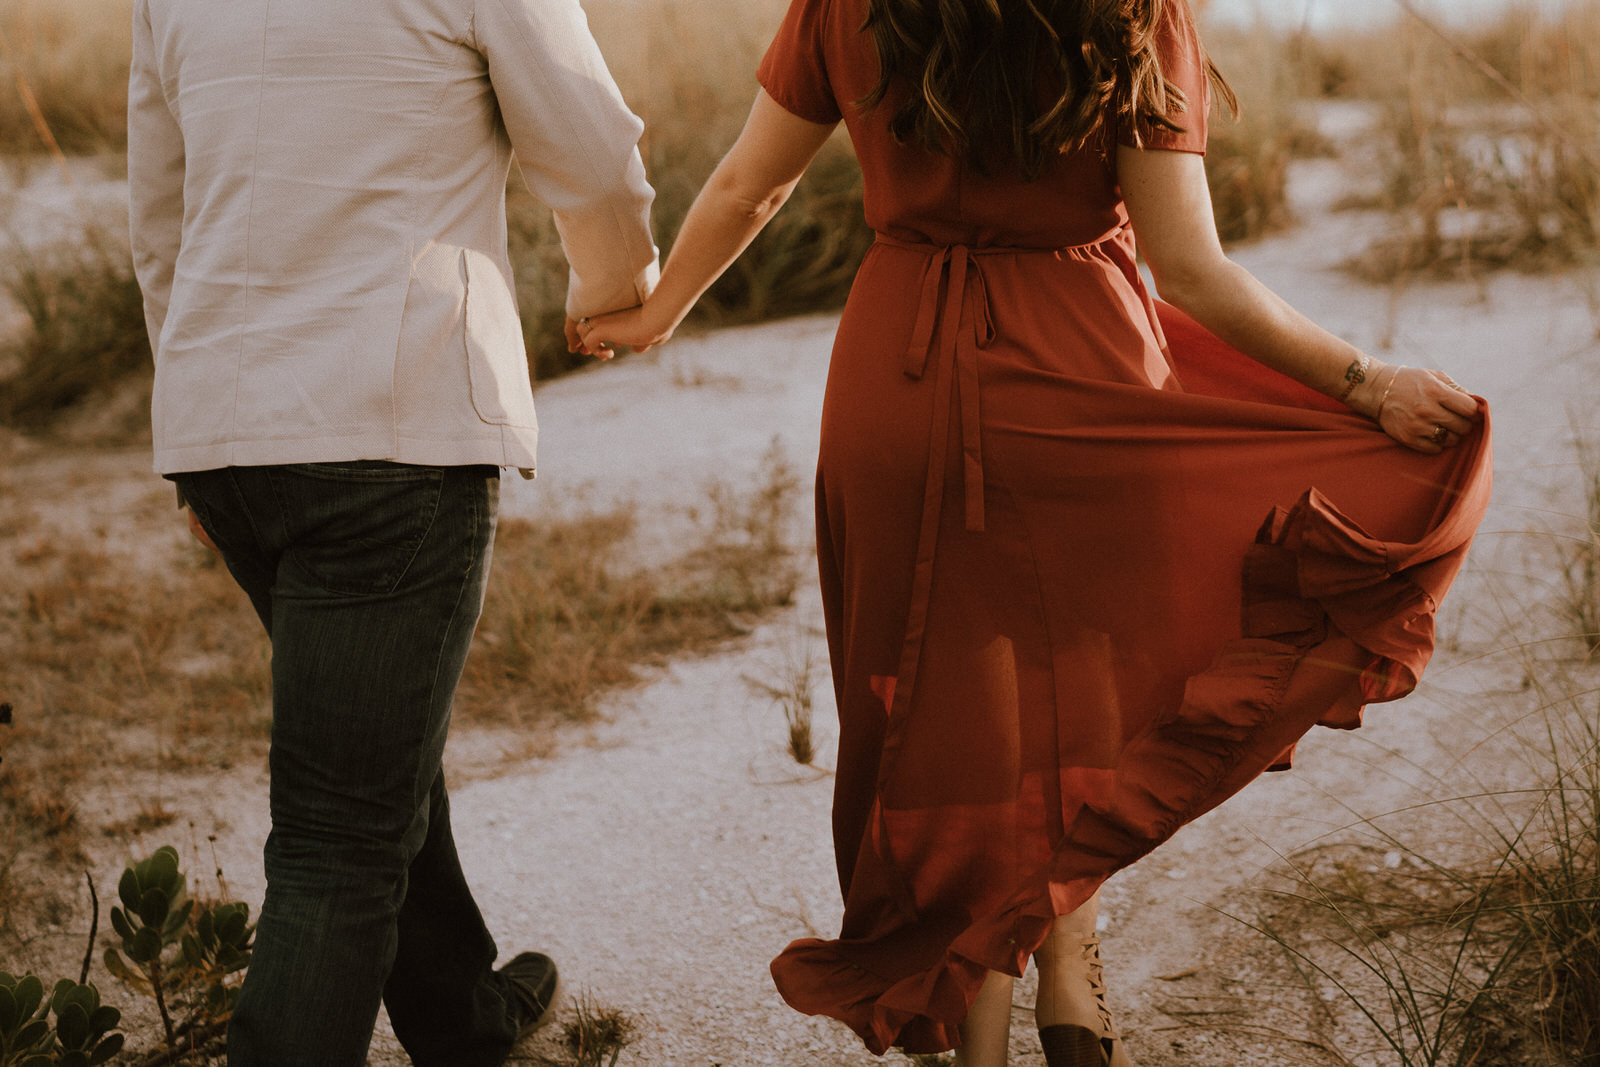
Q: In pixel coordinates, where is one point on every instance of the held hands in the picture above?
(1425, 410)
(599, 335)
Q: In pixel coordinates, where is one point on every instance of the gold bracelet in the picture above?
(1354, 375)
(1384, 399)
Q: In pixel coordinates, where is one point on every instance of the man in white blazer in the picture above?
(318, 222)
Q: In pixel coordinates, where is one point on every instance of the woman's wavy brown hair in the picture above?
(1024, 79)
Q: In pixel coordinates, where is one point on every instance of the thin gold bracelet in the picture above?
(1384, 399)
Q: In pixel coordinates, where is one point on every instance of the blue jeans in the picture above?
(369, 578)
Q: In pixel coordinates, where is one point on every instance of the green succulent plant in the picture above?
(82, 1035)
(84, 1026)
(212, 942)
(24, 1026)
(154, 913)
(218, 946)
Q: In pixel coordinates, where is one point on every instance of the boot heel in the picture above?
(1066, 1045)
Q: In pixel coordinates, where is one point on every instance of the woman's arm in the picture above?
(741, 196)
(1170, 207)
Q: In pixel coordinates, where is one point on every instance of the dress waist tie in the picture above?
(942, 309)
(939, 330)
(947, 274)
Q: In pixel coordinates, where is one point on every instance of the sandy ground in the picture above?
(668, 851)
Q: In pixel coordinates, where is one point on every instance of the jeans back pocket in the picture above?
(354, 528)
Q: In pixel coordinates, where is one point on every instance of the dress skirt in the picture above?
(1079, 588)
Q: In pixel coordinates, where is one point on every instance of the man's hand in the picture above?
(200, 531)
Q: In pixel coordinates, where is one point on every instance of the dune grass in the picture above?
(173, 654)
(592, 1035)
(1462, 930)
(1247, 160)
(64, 62)
(85, 339)
(688, 68)
(790, 686)
(1489, 147)
(566, 618)
(1484, 954)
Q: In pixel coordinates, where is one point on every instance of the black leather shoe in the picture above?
(531, 978)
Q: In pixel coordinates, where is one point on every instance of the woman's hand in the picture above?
(599, 335)
(1425, 410)
(1169, 204)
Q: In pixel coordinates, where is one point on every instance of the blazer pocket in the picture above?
(497, 363)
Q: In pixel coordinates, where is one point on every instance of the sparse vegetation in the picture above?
(1247, 161)
(113, 665)
(1490, 152)
(791, 691)
(107, 665)
(1466, 959)
(594, 1036)
(70, 58)
(564, 619)
(1580, 556)
(85, 337)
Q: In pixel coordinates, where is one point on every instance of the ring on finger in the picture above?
(1439, 434)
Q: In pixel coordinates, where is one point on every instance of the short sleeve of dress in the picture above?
(794, 71)
(1183, 63)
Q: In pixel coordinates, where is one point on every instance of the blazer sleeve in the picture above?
(155, 177)
(577, 143)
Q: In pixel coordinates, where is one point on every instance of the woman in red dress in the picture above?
(1087, 569)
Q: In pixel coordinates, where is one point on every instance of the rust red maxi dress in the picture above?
(1086, 571)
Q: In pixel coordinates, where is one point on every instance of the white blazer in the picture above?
(317, 197)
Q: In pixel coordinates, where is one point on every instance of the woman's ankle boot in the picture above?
(1069, 1045)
